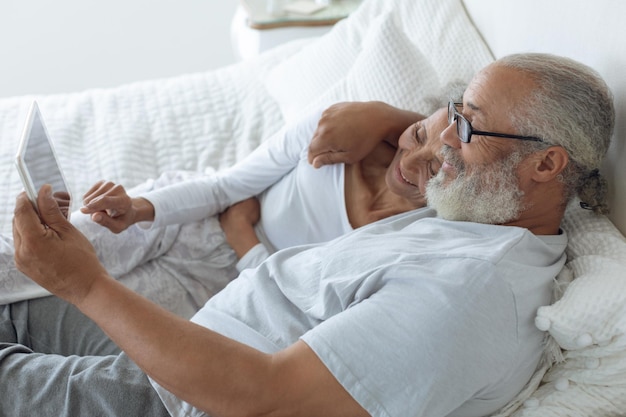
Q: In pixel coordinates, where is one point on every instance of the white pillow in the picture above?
(589, 323)
(439, 29)
(389, 69)
(318, 66)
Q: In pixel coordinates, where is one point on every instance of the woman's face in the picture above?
(417, 159)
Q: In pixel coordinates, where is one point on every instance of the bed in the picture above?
(399, 51)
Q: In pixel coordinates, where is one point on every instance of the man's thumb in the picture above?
(49, 210)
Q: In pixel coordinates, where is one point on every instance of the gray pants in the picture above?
(54, 361)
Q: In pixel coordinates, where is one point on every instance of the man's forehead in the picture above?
(495, 91)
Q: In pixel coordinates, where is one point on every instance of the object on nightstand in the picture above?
(269, 14)
(254, 29)
(275, 7)
(304, 7)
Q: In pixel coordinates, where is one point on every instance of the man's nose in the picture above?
(450, 137)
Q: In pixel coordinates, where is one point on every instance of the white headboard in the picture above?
(592, 32)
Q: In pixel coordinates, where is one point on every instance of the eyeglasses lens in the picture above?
(451, 113)
(463, 129)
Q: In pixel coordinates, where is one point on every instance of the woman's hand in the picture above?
(51, 251)
(110, 206)
(348, 132)
(238, 222)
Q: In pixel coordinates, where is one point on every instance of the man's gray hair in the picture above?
(571, 107)
(453, 90)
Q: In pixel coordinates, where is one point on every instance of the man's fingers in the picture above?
(25, 218)
(49, 210)
(20, 214)
(26, 225)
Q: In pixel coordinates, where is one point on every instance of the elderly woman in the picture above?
(183, 252)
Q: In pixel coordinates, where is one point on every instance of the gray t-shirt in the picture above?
(414, 315)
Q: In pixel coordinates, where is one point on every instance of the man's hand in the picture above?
(348, 132)
(63, 201)
(238, 222)
(110, 206)
(51, 251)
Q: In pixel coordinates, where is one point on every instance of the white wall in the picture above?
(69, 45)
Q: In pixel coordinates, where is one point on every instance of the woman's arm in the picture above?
(349, 131)
(238, 222)
(208, 195)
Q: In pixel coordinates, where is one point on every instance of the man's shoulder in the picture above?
(402, 220)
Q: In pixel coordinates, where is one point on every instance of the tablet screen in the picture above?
(37, 162)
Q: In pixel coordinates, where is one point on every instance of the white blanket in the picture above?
(135, 132)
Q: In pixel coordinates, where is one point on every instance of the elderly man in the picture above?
(414, 315)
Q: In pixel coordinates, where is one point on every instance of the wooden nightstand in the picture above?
(255, 28)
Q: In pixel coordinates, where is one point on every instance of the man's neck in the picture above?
(544, 220)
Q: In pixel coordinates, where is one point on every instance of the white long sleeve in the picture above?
(206, 196)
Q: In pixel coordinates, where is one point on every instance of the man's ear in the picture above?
(550, 163)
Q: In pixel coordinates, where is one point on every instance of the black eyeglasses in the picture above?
(465, 131)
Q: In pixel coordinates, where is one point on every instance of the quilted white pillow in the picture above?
(589, 323)
(318, 66)
(438, 29)
(389, 69)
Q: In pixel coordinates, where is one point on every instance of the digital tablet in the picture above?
(37, 163)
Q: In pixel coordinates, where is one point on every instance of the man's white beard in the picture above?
(488, 194)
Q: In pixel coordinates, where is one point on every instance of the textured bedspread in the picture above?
(137, 131)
